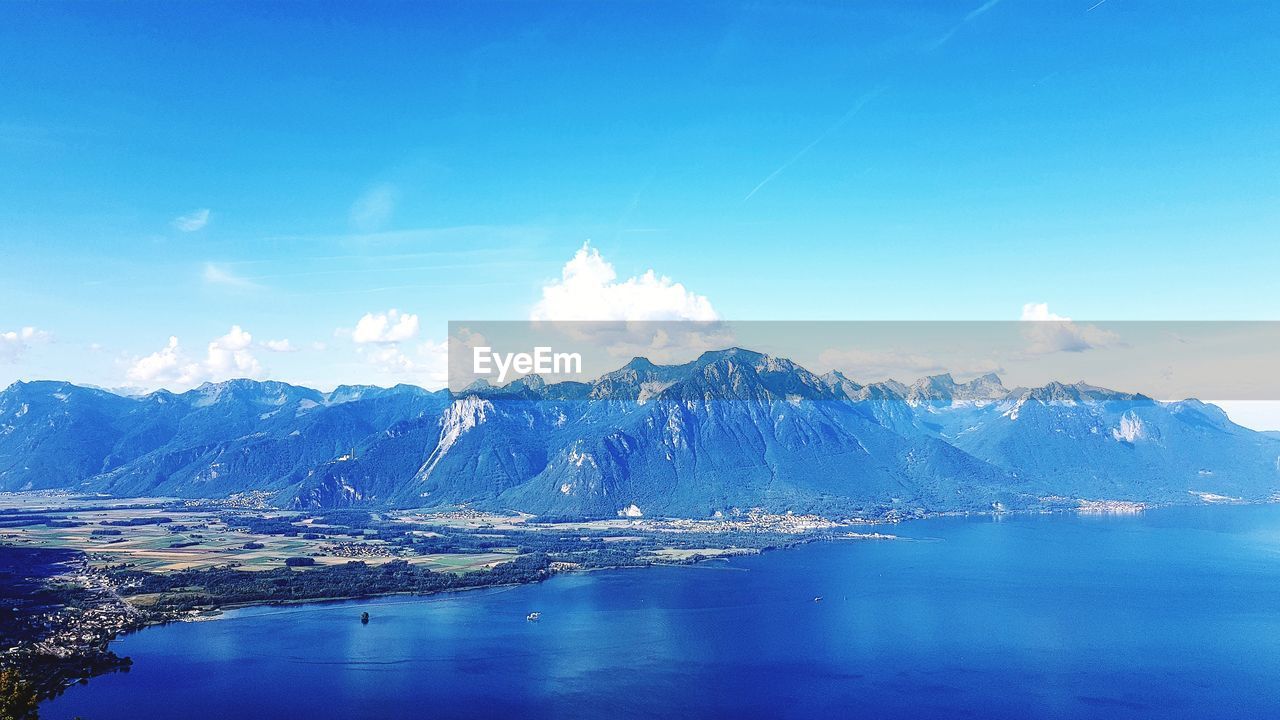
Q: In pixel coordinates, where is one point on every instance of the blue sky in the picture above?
(289, 170)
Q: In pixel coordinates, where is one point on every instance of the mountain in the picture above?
(212, 441)
(732, 430)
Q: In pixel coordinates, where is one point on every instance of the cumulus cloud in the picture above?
(387, 343)
(280, 346)
(426, 363)
(373, 210)
(647, 314)
(589, 289)
(229, 356)
(167, 365)
(15, 343)
(391, 326)
(192, 221)
(226, 357)
(1048, 332)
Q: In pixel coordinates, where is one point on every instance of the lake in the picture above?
(1172, 613)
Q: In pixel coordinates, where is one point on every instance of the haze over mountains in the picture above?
(732, 430)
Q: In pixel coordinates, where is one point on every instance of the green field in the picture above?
(206, 542)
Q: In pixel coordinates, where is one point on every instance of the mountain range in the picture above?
(730, 431)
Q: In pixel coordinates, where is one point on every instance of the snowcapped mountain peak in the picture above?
(533, 382)
(837, 381)
(736, 353)
(660, 436)
(939, 391)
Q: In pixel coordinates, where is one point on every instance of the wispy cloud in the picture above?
(849, 115)
(192, 221)
(215, 274)
(280, 346)
(973, 15)
(477, 241)
(872, 365)
(373, 210)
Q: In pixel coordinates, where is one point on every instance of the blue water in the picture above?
(1172, 614)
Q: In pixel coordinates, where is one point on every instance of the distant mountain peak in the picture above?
(733, 351)
(532, 382)
(734, 428)
(943, 390)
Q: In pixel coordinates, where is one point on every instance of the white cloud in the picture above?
(172, 367)
(373, 210)
(388, 327)
(15, 343)
(167, 365)
(215, 274)
(588, 289)
(1039, 312)
(229, 356)
(280, 346)
(1047, 332)
(192, 221)
(385, 342)
(647, 314)
(873, 365)
(970, 17)
(425, 364)
(666, 343)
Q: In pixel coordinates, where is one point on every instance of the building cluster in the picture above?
(1111, 507)
(750, 521)
(357, 550)
(250, 500)
(76, 635)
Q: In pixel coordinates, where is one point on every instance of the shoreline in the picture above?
(216, 612)
(826, 535)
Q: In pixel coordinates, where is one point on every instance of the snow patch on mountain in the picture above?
(1130, 430)
(652, 389)
(464, 414)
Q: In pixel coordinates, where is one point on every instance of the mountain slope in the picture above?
(733, 429)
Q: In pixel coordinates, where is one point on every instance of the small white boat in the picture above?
(533, 616)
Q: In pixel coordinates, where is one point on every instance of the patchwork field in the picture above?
(199, 539)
